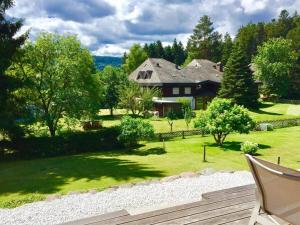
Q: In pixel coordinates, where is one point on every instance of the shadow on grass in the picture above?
(235, 146)
(49, 175)
(264, 105)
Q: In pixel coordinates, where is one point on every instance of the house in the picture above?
(199, 81)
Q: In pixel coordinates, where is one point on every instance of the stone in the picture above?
(170, 178)
(52, 197)
(93, 191)
(208, 171)
(188, 174)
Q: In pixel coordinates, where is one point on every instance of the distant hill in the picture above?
(102, 61)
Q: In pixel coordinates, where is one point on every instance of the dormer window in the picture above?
(144, 75)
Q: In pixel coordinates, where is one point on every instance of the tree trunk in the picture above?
(51, 127)
(111, 111)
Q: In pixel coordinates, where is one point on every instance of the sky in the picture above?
(110, 27)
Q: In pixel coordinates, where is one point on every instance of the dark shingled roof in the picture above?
(164, 72)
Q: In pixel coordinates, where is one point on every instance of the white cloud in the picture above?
(110, 27)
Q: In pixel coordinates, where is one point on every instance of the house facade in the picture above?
(199, 81)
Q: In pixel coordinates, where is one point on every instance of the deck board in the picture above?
(230, 206)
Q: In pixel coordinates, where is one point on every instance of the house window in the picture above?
(187, 90)
(175, 91)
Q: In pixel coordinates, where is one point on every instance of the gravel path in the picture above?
(135, 199)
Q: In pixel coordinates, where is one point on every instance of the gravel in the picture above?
(135, 199)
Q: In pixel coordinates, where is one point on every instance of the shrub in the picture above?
(222, 118)
(249, 147)
(133, 130)
(65, 144)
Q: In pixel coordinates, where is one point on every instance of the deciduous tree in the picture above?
(135, 58)
(59, 73)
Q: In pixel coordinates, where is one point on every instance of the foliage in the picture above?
(65, 144)
(226, 48)
(112, 79)
(136, 99)
(222, 118)
(171, 116)
(273, 65)
(59, 73)
(133, 130)
(146, 99)
(11, 104)
(134, 58)
(249, 147)
(238, 83)
(205, 43)
(187, 111)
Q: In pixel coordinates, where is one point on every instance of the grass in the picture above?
(26, 181)
(267, 111)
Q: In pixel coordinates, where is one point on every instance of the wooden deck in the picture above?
(229, 206)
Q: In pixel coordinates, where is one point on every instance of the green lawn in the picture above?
(267, 111)
(26, 181)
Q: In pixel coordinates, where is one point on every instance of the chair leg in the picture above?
(255, 214)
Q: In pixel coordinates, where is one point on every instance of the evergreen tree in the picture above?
(204, 43)
(179, 54)
(238, 82)
(9, 44)
(159, 49)
(227, 48)
(168, 53)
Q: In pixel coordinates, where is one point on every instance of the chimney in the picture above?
(219, 67)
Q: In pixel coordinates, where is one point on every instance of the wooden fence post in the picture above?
(159, 136)
(183, 134)
(204, 153)
(164, 145)
(278, 160)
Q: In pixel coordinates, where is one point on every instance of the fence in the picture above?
(280, 123)
(181, 133)
(276, 124)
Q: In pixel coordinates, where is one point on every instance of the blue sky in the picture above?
(110, 27)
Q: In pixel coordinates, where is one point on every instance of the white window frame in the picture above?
(175, 90)
(187, 90)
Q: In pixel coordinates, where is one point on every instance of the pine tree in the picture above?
(227, 48)
(204, 43)
(238, 82)
(9, 44)
(179, 54)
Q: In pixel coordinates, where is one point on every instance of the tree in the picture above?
(59, 73)
(129, 99)
(237, 82)
(168, 53)
(146, 99)
(227, 48)
(178, 52)
(222, 118)
(112, 79)
(134, 130)
(136, 99)
(135, 58)
(204, 43)
(11, 104)
(187, 110)
(171, 116)
(273, 64)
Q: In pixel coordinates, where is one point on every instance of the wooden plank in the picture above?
(236, 194)
(199, 217)
(176, 209)
(141, 219)
(229, 191)
(241, 218)
(118, 214)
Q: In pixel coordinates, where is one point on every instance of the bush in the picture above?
(222, 118)
(133, 130)
(65, 144)
(249, 147)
